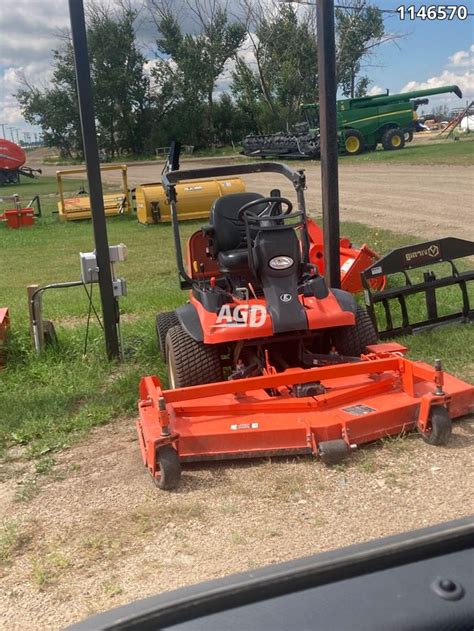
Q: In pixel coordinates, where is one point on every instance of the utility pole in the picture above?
(328, 139)
(11, 133)
(91, 154)
(2, 125)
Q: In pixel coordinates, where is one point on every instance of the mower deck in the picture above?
(381, 395)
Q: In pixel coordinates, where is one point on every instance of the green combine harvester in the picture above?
(364, 123)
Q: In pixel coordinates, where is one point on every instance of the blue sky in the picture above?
(424, 51)
(431, 54)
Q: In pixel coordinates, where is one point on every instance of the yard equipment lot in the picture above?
(425, 189)
(82, 528)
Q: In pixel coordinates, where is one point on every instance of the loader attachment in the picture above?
(326, 411)
(396, 298)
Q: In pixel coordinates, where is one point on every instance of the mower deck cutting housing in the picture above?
(326, 411)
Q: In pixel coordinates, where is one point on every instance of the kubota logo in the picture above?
(253, 316)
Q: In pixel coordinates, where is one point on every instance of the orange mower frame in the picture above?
(381, 395)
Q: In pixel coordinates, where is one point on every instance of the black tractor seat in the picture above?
(228, 232)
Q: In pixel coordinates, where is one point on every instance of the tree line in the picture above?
(217, 72)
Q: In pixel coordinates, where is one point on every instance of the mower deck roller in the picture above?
(347, 404)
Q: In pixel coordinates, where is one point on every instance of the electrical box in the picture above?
(118, 253)
(120, 287)
(89, 269)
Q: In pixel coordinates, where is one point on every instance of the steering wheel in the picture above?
(273, 204)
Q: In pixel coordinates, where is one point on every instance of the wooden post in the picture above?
(39, 317)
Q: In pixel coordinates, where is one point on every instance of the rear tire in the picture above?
(408, 136)
(170, 468)
(352, 341)
(191, 363)
(393, 139)
(354, 142)
(441, 427)
(164, 321)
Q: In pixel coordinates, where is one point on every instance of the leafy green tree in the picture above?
(359, 29)
(284, 74)
(120, 89)
(196, 60)
(230, 121)
(54, 108)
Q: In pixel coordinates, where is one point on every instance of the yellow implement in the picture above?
(195, 199)
(116, 203)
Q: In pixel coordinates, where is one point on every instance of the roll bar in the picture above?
(170, 179)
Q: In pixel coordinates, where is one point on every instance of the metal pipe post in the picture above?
(328, 139)
(91, 154)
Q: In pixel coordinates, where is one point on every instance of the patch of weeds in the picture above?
(47, 568)
(394, 482)
(341, 467)
(181, 512)
(367, 461)
(237, 538)
(12, 540)
(143, 520)
(285, 485)
(45, 466)
(42, 576)
(229, 508)
(8, 539)
(27, 491)
(112, 588)
(399, 443)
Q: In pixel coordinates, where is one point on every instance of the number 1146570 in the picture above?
(433, 12)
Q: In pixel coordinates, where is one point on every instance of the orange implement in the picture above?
(19, 217)
(350, 404)
(353, 260)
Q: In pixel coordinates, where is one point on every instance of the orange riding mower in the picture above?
(265, 359)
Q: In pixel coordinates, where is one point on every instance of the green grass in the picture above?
(460, 152)
(49, 401)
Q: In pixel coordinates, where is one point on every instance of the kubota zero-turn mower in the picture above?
(265, 359)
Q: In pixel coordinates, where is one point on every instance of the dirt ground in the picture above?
(93, 532)
(426, 201)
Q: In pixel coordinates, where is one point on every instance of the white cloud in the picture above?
(464, 80)
(463, 58)
(376, 89)
(458, 71)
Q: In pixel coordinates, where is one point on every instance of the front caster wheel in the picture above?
(440, 427)
(333, 451)
(170, 468)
